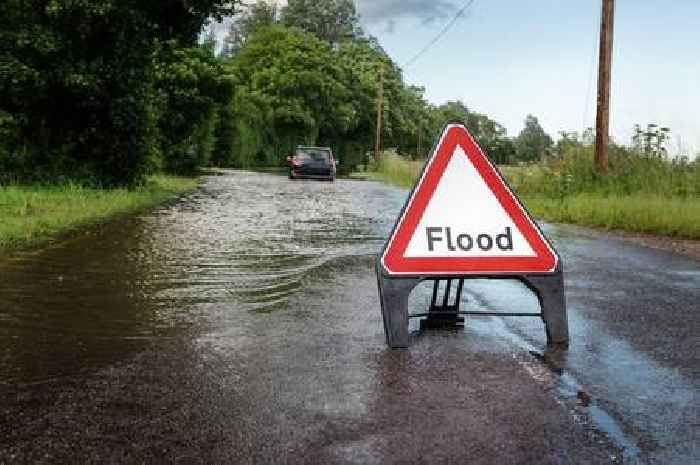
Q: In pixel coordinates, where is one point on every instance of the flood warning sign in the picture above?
(462, 218)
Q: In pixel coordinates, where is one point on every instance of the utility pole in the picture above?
(602, 128)
(380, 110)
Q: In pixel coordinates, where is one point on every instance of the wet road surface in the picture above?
(241, 324)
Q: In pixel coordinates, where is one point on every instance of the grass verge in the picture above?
(394, 169)
(639, 213)
(32, 214)
(548, 194)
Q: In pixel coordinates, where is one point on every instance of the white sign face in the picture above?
(462, 218)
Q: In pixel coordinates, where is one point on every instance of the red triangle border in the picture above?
(393, 261)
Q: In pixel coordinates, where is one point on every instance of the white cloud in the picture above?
(387, 11)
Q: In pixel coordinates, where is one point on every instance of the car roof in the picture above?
(310, 147)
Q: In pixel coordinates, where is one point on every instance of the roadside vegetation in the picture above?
(393, 169)
(32, 214)
(167, 97)
(101, 104)
(644, 192)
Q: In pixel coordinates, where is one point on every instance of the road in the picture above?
(241, 324)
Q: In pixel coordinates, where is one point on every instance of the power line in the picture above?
(444, 31)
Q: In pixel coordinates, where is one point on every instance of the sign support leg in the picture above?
(444, 315)
(394, 294)
(550, 292)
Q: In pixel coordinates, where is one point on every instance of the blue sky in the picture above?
(508, 58)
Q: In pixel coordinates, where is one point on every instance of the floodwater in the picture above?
(241, 324)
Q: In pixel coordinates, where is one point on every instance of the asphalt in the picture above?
(241, 324)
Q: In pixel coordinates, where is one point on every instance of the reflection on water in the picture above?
(245, 240)
(622, 387)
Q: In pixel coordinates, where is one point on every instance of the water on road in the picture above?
(241, 324)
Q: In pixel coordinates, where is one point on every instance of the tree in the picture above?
(490, 134)
(569, 142)
(502, 151)
(405, 111)
(192, 85)
(81, 109)
(329, 20)
(360, 60)
(451, 110)
(296, 76)
(254, 17)
(533, 142)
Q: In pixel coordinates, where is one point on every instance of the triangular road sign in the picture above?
(463, 219)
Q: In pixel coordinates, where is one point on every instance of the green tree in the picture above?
(256, 16)
(567, 143)
(80, 108)
(533, 142)
(299, 85)
(405, 111)
(360, 60)
(193, 86)
(490, 134)
(451, 110)
(296, 76)
(329, 20)
(502, 151)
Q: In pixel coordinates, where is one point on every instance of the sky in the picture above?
(510, 58)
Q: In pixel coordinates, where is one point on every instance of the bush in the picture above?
(629, 173)
(192, 86)
(78, 79)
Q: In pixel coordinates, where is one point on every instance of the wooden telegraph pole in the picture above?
(602, 128)
(380, 108)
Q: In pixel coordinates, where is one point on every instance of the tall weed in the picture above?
(629, 173)
(641, 193)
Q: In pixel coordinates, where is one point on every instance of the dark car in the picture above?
(312, 163)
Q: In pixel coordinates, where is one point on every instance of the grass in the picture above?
(394, 169)
(642, 195)
(640, 213)
(33, 214)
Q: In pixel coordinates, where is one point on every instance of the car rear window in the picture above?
(316, 155)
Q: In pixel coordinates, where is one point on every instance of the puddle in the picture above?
(568, 388)
(159, 274)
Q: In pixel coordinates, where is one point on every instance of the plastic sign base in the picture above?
(462, 221)
(394, 293)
